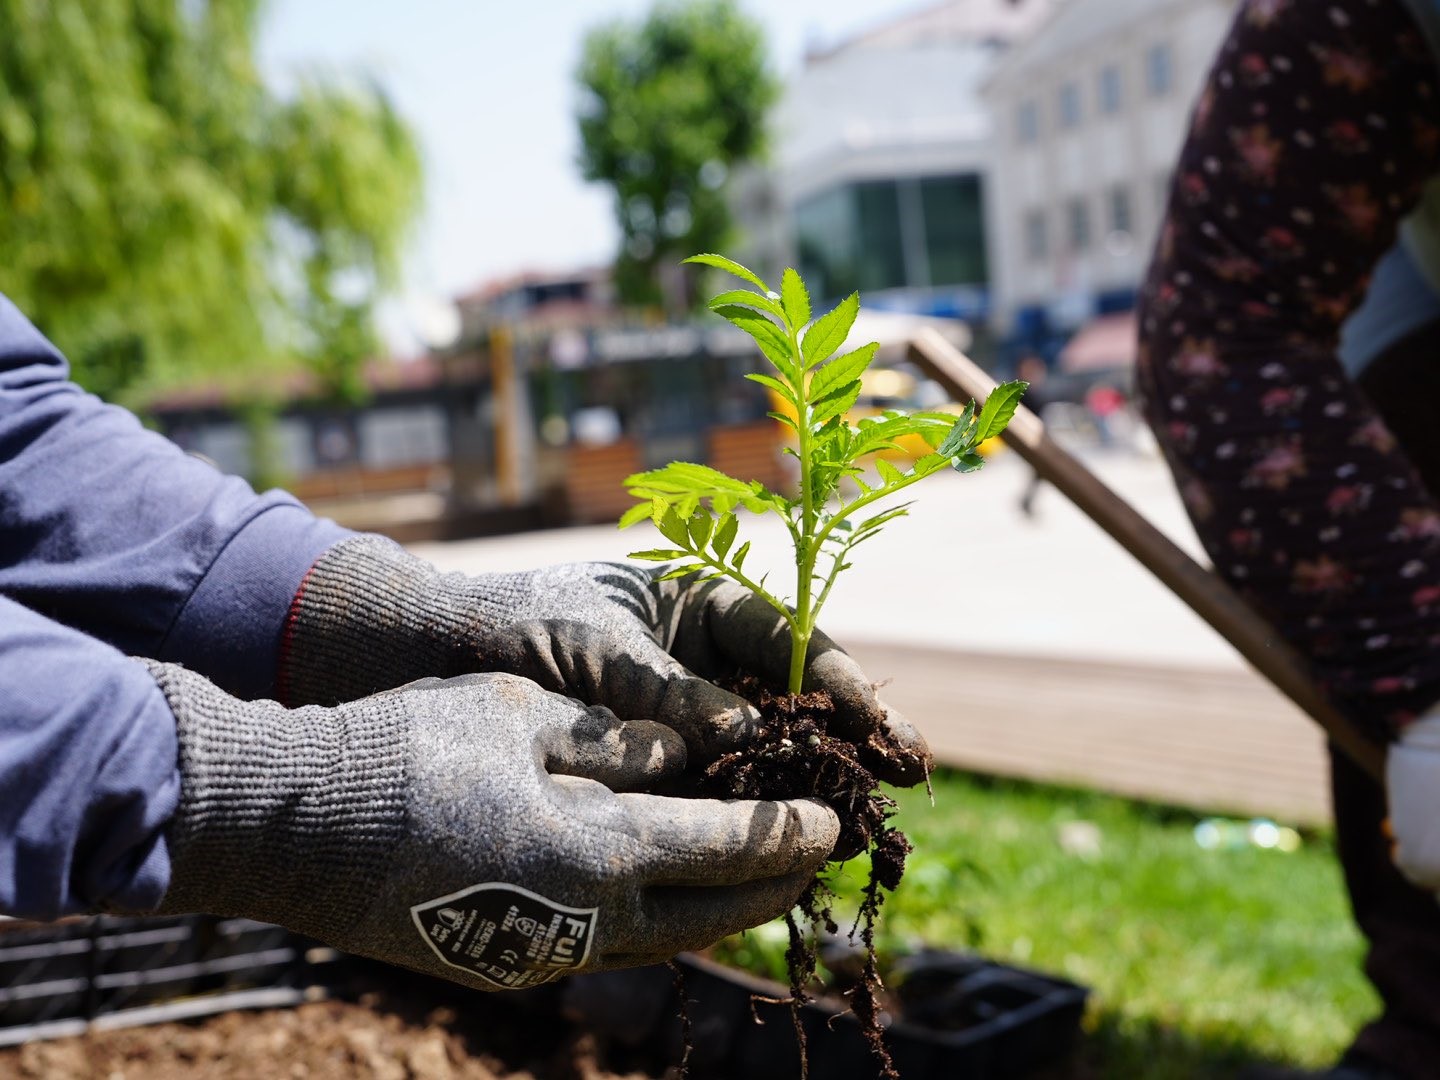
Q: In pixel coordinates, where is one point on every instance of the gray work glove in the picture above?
(469, 828)
(371, 616)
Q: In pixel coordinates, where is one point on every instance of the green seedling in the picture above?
(694, 506)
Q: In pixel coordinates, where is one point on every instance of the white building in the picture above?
(1090, 112)
(880, 148)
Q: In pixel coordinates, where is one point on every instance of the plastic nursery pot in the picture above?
(960, 1017)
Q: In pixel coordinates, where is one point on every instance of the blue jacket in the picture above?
(114, 543)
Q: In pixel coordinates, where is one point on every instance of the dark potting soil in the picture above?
(794, 756)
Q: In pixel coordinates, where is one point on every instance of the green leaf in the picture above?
(723, 504)
(724, 534)
(659, 554)
(681, 571)
(889, 473)
(739, 560)
(829, 331)
(788, 421)
(960, 439)
(795, 299)
(771, 339)
(672, 527)
(837, 403)
(875, 522)
(746, 298)
(730, 266)
(842, 370)
(999, 407)
(700, 525)
(685, 477)
(967, 463)
(636, 514)
(776, 385)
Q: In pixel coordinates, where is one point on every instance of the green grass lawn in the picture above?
(1199, 960)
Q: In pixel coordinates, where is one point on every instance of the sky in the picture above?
(489, 88)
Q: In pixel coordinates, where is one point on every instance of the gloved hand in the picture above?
(371, 616)
(1412, 783)
(469, 828)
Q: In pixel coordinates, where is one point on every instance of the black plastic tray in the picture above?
(967, 1017)
(106, 971)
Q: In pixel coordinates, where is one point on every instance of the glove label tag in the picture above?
(508, 936)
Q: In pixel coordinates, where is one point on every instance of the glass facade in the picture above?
(915, 232)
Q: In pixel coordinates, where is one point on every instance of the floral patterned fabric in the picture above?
(1311, 141)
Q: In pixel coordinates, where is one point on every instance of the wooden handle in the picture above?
(1210, 597)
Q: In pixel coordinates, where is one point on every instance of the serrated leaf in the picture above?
(959, 440)
(829, 331)
(888, 472)
(788, 421)
(794, 298)
(738, 562)
(999, 407)
(723, 504)
(836, 403)
(681, 571)
(967, 463)
(658, 554)
(636, 514)
(842, 370)
(686, 505)
(700, 524)
(747, 298)
(889, 515)
(776, 385)
(724, 535)
(730, 266)
(684, 477)
(672, 526)
(769, 337)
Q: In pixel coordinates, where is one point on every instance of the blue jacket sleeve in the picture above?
(88, 773)
(114, 531)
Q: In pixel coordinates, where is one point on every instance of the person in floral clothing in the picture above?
(1290, 366)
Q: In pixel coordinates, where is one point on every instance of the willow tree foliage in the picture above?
(669, 106)
(163, 213)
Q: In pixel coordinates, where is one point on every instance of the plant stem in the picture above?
(805, 547)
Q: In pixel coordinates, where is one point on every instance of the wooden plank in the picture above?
(1220, 741)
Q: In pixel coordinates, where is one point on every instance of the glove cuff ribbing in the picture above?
(370, 616)
(284, 816)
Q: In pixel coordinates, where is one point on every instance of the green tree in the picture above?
(163, 213)
(668, 107)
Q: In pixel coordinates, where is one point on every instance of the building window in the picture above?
(1121, 218)
(1109, 89)
(1159, 73)
(1077, 213)
(889, 234)
(1037, 239)
(1069, 103)
(1027, 122)
(954, 214)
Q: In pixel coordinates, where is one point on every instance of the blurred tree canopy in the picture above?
(669, 106)
(164, 214)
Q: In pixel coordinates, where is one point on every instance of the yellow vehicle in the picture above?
(884, 388)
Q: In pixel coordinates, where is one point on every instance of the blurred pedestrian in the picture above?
(1290, 326)
(1032, 368)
